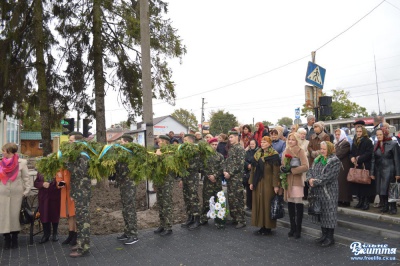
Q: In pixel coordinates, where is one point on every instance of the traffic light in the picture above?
(69, 124)
(86, 127)
(325, 105)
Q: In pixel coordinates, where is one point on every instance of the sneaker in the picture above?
(122, 237)
(131, 240)
(240, 225)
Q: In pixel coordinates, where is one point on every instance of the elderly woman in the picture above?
(361, 156)
(385, 167)
(14, 185)
(342, 147)
(264, 182)
(294, 192)
(314, 141)
(322, 178)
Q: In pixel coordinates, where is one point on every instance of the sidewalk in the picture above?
(206, 246)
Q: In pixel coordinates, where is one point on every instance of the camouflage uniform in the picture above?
(191, 186)
(127, 191)
(81, 192)
(234, 166)
(164, 201)
(215, 168)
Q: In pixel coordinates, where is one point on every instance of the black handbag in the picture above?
(295, 162)
(25, 214)
(314, 203)
(277, 210)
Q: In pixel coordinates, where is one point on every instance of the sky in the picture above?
(249, 58)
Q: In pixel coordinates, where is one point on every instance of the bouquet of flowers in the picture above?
(285, 170)
(218, 210)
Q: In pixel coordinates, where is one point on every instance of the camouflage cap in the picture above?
(165, 137)
(190, 135)
(127, 137)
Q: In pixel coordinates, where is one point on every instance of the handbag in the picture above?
(394, 192)
(314, 204)
(277, 210)
(25, 214)
(360, 176)
(295, 162)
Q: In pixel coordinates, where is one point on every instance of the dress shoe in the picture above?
(54, 238)
(44, 239)
(159, 230)
(122, 237)
(166, 232)
(69, 238)
(77, 254)
(240, 225)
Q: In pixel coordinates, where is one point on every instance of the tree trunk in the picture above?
(41, 77)
(98, 73)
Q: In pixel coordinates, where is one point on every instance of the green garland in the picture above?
(142, 164)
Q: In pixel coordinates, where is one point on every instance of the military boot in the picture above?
(196, 224)
(188, 222)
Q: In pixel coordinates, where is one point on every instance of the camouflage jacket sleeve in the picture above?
(195, 164)
(215, 165)
(235, 160)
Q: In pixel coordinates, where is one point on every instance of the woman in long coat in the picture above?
(264, 182)
(342, 147)
(294, 192)
(67, 209)
(385, 167)
(361, 156)
(323, 180)
(49, 207)
(14, 184)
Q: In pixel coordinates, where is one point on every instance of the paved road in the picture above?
(207, 246)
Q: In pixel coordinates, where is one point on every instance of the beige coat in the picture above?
(11, 198)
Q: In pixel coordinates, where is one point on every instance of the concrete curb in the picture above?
(369, 215)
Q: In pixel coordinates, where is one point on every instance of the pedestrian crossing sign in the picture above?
(315, 75)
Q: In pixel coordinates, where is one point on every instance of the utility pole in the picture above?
(78, 118)
(202, 115)
(377, 88)
(146, 72)
(315, 92)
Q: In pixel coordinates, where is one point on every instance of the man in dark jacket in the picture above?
(309, 126)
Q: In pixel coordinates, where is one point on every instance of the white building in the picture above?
(9, 130)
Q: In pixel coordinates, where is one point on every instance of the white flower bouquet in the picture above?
(218, 210)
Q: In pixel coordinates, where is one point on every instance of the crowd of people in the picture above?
(312, 160)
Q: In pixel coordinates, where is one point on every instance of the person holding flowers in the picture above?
(212, 181)
(323, 180)
(294, 182)
(265, 183)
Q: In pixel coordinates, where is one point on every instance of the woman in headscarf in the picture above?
(264, 182)
(361, 156)
(260, 132)
(314, 141)
(342, 147)
(385, 167)
(14, 185)
(322, 178)
(294, 192)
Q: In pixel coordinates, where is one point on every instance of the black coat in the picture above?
(221, 148)
(248, 160)
(385, 166)
(364, 153)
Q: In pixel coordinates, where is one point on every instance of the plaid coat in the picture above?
(327, 189)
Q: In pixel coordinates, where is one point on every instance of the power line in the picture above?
(392, 5)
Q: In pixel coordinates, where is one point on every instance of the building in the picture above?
(31, 143)
(9, 130)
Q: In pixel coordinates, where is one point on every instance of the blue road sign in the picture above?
(315, 75)
(297, 113)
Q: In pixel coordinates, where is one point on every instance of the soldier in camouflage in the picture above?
(233, 173)
(164, 196)
(190, 186)
(80, 193)
(127, 189)
(212, 179)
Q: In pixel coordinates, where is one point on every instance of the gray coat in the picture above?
(326, 188)
(385, 166)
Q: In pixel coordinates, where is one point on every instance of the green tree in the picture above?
(267, 123)
(186, 118)
(222, 122)
(103, 36)
(31, 120)
(342, 107)
(287, 121)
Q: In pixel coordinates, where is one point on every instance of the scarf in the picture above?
(321, 159)
(270, 156)
(246, 139)
(381, 144)
(9, 169)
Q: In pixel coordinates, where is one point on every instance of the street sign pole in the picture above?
(315, 91)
